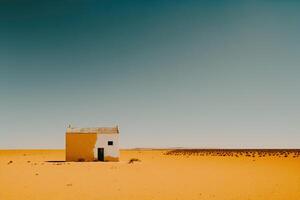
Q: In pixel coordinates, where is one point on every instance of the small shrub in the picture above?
(81, 160)
(132, 160)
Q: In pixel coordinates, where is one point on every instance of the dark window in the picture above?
(110, 143)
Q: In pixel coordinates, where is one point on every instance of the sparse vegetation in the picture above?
(235, 152)
(132, 160)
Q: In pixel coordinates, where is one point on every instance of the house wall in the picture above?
(79, 147)
(111, 152)
(83, 146)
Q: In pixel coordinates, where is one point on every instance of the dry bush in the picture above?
(132, 160)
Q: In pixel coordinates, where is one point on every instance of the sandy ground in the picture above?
(38, 174)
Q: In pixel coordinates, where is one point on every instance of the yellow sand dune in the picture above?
(41, 174)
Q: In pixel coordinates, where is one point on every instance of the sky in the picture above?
(196, 74)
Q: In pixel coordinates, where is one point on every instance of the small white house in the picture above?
(92, 144)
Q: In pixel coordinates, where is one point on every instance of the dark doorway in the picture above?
(101, 154)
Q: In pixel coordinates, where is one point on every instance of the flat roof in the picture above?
(98, 130)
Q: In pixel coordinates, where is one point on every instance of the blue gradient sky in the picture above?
(222, 74)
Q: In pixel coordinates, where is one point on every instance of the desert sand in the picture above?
(159, 174)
